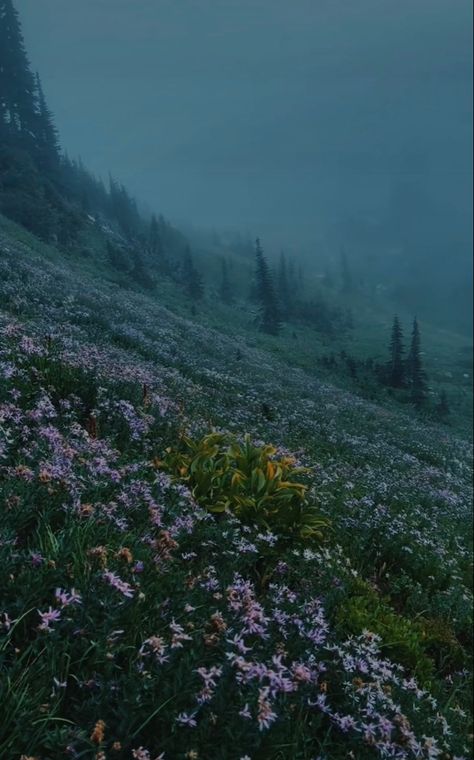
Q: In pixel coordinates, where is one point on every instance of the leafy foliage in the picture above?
(248, 481)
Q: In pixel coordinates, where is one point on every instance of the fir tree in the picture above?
(225, 290)
(415, 371)
(124, 209)
(155, 244)
(47, 139)
(396, 367)
(17, 84)
(269, 313)
(442, 408)
(139, 272)
(117, 257)
(283, 287)
(191, 278)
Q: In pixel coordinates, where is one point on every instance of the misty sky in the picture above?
(273, 116)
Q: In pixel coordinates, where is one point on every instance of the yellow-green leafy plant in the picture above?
(248, 481)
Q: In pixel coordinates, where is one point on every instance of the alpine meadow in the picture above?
(235, 380)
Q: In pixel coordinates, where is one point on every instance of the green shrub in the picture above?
(402, 640)
(247, 481)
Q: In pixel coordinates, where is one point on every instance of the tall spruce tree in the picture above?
(47, 139)
(415, 371)
(347, 282)
(396, 366)
(155, 243)
(192, 280)
(124, 209)
(225, 289)
(17, 84)
(442, 407)
(269, 319)
(139, 271)
(283, 287)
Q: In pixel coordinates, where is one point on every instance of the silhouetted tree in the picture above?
(46, 135)
(117, 257)
(155, 245)
(442, 407)
(283, 287)
(17, 84)
(225, 289)
(124, 209)
(396, 366)
(415, 371)
(269, 313)
(139, 271)
(191, 278)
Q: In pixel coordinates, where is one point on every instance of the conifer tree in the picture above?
(346, 274)
(415, 371)
(269, 313)
(396, 367)
(17, 85)
(283, 287)
(47, 139)
(116, 257)
(442, 408)
(192, 279)
(139, 272)
(124, 209)
(155, 244)
(225, 290)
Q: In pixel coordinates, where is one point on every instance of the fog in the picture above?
(312, 123)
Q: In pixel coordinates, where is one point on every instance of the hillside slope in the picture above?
(125, 602)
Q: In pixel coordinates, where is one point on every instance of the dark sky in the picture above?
(273, 116)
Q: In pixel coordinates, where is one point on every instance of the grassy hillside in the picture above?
(138, 621)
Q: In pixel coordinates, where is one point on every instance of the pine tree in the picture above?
(154, 238)
(225, 290)
(442, 408)
(139, 271)
(117, 257)
(47, 139)
(396, 367)
(415, 371)
(283, 287)
(124, 209)
(17, 84)
(191, 278)
(269, 313)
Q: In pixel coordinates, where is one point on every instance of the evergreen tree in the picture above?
(442, 408)
(139, 272)
(154, 239)
(283, 287)
(416, 374)
(346, 274)
(225, 290)
(396, 367)
(47, 139)
(191, 278)
(17, 84)
(117, 257)
(269, 313)
(124, 209)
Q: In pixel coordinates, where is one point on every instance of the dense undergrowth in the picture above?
(139, 621)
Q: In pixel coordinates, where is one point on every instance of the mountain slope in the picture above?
(125, 602)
